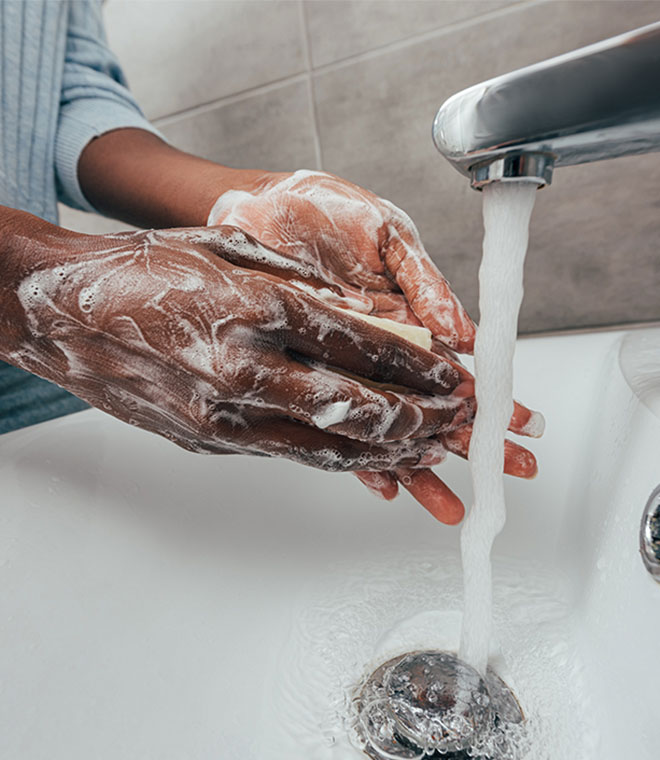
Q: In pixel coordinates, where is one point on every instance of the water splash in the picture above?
(357, 614)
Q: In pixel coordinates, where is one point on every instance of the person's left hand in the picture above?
(371, 252)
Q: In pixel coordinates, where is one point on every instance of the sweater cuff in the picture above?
(75, 133)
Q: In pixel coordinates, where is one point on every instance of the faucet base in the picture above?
(518, 167)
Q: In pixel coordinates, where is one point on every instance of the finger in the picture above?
(393, 306)
(288, 438)
(318, 396)
(236, 246)
(382, 484)
(526, 422)
(438, 347)
(428, 292)
(425, 486)
(518, 461)
(335, 337)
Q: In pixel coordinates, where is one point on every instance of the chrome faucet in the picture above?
(601, 101)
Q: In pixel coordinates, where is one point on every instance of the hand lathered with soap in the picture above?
(369, 251)
(256, 335)
(240, 337)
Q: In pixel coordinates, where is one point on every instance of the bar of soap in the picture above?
(421, 336)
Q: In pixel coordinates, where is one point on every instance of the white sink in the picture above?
(160, 604)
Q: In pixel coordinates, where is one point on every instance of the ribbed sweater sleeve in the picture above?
(94, 98)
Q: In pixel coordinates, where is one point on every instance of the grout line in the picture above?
(318, 155)
(307, 75)
(432, 34)
(237, 97)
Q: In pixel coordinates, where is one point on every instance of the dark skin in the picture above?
(133, 176)
(122, 320)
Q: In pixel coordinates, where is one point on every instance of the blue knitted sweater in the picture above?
(60, 86)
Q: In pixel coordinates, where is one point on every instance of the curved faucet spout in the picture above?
(598, 102)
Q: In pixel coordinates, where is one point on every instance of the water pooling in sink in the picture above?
(432, 704)
(360, 614)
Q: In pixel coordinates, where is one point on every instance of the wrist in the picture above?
(23, 241)
(134, 176)
(213, 181)
(26, 241)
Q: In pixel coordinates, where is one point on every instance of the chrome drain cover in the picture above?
(649, 535)
(431, 704)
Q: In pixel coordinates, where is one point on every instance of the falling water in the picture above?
(507, 209)
(366, 608)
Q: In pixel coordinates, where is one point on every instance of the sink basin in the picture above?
(639, 358)
(161, 604)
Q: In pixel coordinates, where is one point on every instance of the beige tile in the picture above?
(342, 28)
(594, 245)
(594, 254)
(181, 53)
(271, 130)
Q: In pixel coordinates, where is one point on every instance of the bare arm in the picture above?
(134, 176)
(195, 334)
(24, 243)
(360, 244)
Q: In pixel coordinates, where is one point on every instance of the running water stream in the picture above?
(507, 208)
(371, 605)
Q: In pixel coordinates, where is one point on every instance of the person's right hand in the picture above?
(201, 335)
(372, 251)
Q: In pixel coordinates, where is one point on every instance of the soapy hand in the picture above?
(369, 250)
(366, 245)
(208, 338)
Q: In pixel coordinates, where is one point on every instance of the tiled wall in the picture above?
(352, 86)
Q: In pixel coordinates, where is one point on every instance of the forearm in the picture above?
(25, 243)
(132, 175)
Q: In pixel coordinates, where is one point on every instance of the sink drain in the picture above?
(433, 705)
(649, 535)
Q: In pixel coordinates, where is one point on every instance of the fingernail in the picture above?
(464, 389)
(535, 425)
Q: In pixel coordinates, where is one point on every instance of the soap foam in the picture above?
(535, 426)
(355, 238)
(331, 414)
